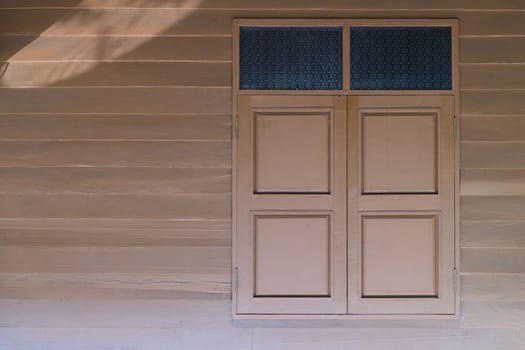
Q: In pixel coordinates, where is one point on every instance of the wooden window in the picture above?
(345, 200)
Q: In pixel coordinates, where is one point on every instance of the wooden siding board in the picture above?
(205, 260)
(492, 50)
(487, 234)
(70, 206)
(108, 240)
(493, 128)
(20, 48)
(97, 180)
(78, 74)
(493, 182)
(129, 21)
(493, 155)
(116, 100)
(290, 4)
(493, 208)
(150, 127)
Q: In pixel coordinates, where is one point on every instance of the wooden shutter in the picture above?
(401, 205)
(291, 205)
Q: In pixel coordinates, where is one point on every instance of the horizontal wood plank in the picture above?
(493, 155)
(78, 74)
(269, 4)
(20, 48)
(493, 102)
(492, 207)
(176, 154)
(493, 182)
(73, 206)
(116, 100)
(492, 50)
(493, 260)
(493, 287)
(492, 76)
(111, 285)
(493, 128)
(115, 313)
(177, 127)
(495, 315)
(492, 234)
(146, 21)
(95, 180)
(143, 260)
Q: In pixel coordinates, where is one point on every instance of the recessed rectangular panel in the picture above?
(292, 152)
(399, 152)
(399, 256)
(291, 58)
(400, 58)
(292, 255)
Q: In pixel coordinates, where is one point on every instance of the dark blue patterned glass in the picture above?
(291, 58)
(400, 58)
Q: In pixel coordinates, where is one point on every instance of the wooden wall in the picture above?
(115, 170)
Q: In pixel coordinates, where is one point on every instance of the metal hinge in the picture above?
(455, 128)
(236, 122)
(236, 278)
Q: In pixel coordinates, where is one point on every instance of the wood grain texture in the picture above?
(169, 21)
(116, 229)
(492, 76)
(21, 48)
(486, 234)
(74, 206)
(493, 260)
(290, 4)
(492, 102)
(493, 155)
(493, 128)
(100, 180)
(495, 182)
(145, 127)
(492, 208)
(492, 50)
(487, 287)
(116, 100)
(177, 154)
(78, 74)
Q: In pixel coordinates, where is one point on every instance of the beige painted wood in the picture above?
(119, 206)
(151, 310)
(292, 254)
(218, 22)
(107, 127)
(89, 73)
(284, 239)
(399, 152)
(497, 102)
(492, 128)
(373, 290)
(492, 76)
(499, 49)
(493, 155)
(492, 234)
(146, 100)
(291, 151)
(399, 255)
(224, 4)
(125, 180)
(493, 182)
(20, 48)
(113, 154)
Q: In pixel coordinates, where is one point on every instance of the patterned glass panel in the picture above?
(400, 58)
(291, 58)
